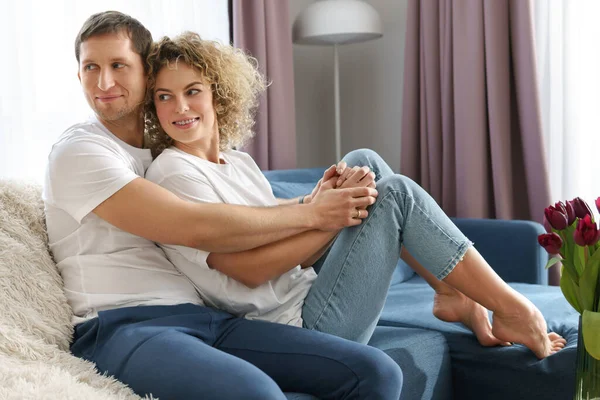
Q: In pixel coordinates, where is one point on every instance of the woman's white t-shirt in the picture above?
(236, 181)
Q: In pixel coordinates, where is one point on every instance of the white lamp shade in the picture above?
(337, 22)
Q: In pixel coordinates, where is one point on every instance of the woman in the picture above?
(203, 95)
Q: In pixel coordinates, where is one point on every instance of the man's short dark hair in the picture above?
(115, 22)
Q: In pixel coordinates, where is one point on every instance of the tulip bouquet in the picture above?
(573, 240)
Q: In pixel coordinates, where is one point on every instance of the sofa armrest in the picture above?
(509, 246)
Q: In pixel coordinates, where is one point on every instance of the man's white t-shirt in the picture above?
(102, 266)
(236, 181)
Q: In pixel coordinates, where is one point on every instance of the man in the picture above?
(136, 316)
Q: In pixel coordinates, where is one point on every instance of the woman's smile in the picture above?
(186, 123)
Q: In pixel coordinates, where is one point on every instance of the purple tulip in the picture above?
(547, 225)
(556, 217)
(570, 214)
(598, 204)
(580, 207)
(586, 233)
(551, 242)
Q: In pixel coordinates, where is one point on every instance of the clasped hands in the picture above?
(360, 193)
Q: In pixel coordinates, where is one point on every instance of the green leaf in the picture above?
(588, 282)
(579, 259)
(567, 238)
(570, 291)
(570, 269)
(591, 326)
(552, 261)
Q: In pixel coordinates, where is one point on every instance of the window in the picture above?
(568, 61)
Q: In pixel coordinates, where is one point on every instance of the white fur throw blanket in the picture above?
(35, 319)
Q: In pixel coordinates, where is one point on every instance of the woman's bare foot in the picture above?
(525, 324)
(450, 305)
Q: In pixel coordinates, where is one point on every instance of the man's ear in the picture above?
(79, 76)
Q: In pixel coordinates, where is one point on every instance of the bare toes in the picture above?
(555, 336)
(558, 345)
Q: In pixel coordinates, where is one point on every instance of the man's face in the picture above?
(112, 76)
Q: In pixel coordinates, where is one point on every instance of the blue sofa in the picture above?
(444, 361)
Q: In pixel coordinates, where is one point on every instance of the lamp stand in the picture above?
(336, 90)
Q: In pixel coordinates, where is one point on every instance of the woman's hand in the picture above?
(329, 174)
(340, 176)
(354, 177)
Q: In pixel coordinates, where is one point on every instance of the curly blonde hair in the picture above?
(233, 77)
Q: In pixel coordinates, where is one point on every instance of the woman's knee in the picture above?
(362, 157)
(397, 183)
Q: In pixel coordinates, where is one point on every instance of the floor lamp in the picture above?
(337, 22)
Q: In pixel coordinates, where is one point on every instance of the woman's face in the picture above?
(184, 106)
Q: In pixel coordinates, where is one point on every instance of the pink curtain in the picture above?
(471, 126)
(263, 29)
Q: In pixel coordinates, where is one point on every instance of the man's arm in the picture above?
(148, 210)
(290, 202)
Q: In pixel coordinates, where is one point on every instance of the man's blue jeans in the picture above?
(193, 352)
(354, 276)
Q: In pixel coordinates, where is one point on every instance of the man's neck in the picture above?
(129, 129)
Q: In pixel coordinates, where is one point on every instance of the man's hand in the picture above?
(337, 209)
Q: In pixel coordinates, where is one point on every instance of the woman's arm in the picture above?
(313, 259)
(257, 266)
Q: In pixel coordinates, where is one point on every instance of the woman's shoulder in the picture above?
(239, 156)
(169, 162)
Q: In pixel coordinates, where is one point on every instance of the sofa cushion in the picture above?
(288, 190)
(423, 357)
(499, 372)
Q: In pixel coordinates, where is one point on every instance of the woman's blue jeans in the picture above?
(354, 275)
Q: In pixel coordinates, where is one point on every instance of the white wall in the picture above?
(370, 91)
